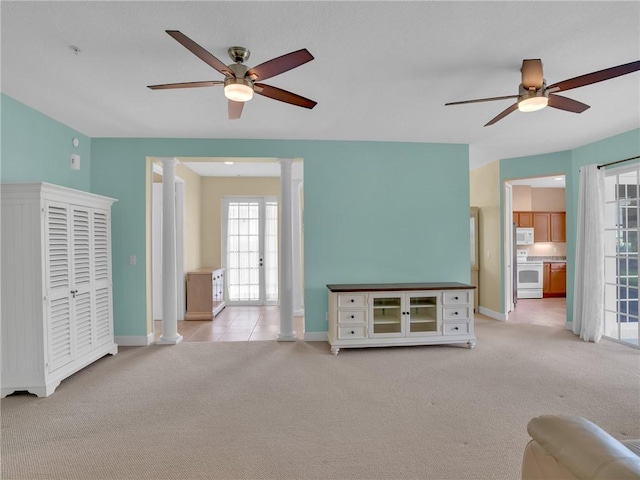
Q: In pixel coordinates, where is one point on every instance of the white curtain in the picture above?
(588, 298)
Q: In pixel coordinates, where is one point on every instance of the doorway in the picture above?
(250, 250)
(535, 242)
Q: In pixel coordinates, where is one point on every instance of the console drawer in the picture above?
(352, 332)
(455, 328)
(456, 313)
(354, 316)
(347, 300)
(456, 297)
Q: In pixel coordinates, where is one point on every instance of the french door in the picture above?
(250, 233)
(622, 236)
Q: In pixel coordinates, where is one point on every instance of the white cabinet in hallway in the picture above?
(57, 312)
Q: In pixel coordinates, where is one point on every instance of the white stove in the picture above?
(529, 274)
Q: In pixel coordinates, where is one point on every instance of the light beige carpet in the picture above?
(294, 411)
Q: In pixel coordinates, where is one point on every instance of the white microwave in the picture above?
(524, 236)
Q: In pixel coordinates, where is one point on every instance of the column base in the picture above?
(169, 341)
(287, 337)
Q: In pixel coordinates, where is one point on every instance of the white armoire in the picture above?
(57, 312)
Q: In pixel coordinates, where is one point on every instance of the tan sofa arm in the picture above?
(569, 447)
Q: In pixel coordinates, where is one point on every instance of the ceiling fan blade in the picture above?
(491, 99)
(503, 114)
(532, 76)
(594, 77)
(200, 52)
(568, 104)
(283, 96)
(279, 65)
(235, 109)
(185, 85)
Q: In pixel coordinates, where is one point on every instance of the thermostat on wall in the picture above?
(75, 142)
(75, 161)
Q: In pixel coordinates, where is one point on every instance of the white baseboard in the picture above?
(490, 313)
(315, 336)
(134, 340)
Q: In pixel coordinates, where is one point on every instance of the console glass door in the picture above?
(387, 315)
(423, 313)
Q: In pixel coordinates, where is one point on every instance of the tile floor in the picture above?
(235, 324)
(541, 311)
(241, 324)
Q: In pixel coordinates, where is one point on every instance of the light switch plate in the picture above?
(75, 161)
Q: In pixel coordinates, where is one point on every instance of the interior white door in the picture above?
(251, 250)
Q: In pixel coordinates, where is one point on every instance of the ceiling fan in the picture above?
(240, 82)
(534, 94)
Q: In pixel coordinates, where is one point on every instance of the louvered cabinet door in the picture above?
(81, 280)
(58, 285)
(101, 245)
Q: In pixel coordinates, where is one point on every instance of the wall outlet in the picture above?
(75, 161)
(132, 260)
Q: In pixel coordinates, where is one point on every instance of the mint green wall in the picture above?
(374, 212)
(569, 162)
(36, 148)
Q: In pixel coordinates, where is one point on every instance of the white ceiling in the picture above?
(382, 70)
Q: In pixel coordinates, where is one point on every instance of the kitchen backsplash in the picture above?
(546, 249)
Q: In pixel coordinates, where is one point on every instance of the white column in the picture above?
(170, 334)
(298, 296)
(286, 333)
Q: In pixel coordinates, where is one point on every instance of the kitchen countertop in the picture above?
(547, 259)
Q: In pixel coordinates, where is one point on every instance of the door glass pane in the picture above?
(242, 250)
(387, 316)
(252, 250)
(621, 256)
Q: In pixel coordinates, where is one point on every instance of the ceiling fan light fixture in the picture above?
(238, 89)
(533, 100)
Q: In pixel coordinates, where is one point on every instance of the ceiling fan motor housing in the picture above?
(239, 54)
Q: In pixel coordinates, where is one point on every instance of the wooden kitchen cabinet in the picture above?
(557, 223)
(554, 280)
(547, 226)
(546, 278)
(558, 279)
(523, 219)
(541, 227)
